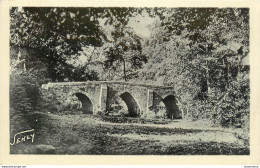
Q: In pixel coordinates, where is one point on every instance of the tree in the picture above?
(200, 52)
(54, 34)
(126, 50)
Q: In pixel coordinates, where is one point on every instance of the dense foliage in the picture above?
(199, 51)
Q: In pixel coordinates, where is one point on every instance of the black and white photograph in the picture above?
(129, 81)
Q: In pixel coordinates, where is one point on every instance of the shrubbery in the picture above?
(24, 93)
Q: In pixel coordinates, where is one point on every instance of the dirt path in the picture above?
(72, 134)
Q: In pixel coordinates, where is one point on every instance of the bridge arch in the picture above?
(87, 105)
(166, 106)
(172, 109)
(131, 103)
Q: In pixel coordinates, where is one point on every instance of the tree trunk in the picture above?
(124, 70)
(207, 76)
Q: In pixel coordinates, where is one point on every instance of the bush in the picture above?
(24, 94)
(229, 108)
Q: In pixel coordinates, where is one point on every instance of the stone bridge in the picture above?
(94, 97)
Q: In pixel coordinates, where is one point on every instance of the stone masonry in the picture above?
(97, 96)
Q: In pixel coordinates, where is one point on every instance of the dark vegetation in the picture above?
(199, 51)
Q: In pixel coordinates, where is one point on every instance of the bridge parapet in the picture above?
(104, 82)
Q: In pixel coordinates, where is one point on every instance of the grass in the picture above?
(86, 134)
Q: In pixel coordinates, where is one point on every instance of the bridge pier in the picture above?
(102, 99)
(149, 104)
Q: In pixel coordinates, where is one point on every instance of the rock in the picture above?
(45, 149)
